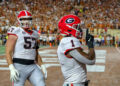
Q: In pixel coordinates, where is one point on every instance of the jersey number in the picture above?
(30, 43)
(72, 43)
(10, 30)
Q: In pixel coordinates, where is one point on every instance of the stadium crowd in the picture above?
(94, 14)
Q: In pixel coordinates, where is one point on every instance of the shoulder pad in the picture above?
(13, 30)
(70, 43)
(68, 39)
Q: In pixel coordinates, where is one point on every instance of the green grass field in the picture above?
(2, 50)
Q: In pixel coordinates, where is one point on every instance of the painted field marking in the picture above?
(52, 65)
(50, 59)
(100, 58)
(95, 68)
(56, 60)
(3, 62)
(47, 53)
(4, 68)
(118, 50)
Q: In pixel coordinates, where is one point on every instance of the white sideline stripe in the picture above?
(99, 53)
(2, 60)
(47, 51)
(118, 50)
(50, 59)
(3, 63)
(4, 68)
(54, 55)
(51, 65)
(100, 61)
(56, 60)
(100, 57)
(95, 68)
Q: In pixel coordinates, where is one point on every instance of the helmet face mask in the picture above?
(26, 23)
(25, 19)
(70, 25)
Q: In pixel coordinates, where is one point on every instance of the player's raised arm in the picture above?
(90, 44)
(83, 57)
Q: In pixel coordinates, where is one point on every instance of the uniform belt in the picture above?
(23, 61)
(79, 84)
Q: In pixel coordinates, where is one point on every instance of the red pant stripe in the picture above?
(12, 83)
(72, 84)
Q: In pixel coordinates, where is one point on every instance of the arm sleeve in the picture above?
(75, 54)
(13, 31)
(37, 38)
(70, 44)
(36, 34)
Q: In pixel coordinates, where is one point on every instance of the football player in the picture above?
(22, 53)
(71, 56)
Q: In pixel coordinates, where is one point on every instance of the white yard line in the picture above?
(100, 58)
(118, 50)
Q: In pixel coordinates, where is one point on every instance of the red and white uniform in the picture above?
(25, 44)
(73, 71)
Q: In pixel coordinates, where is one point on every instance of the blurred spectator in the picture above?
(94, 14)
(102, 41)
(76, 11)
(108, 40)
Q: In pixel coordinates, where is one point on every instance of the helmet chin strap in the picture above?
(78, 35)
(28, 30)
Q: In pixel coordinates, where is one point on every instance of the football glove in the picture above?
(89, 39)
(14, 74)
(44, 70)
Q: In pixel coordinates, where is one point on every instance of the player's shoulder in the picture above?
(35, 33)
(13, 29)
(69, 39)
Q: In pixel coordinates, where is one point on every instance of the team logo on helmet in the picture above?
(70, 20)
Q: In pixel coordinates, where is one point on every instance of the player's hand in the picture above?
(44, 70)
(89, 39)
(43, 67)
(14, 74)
